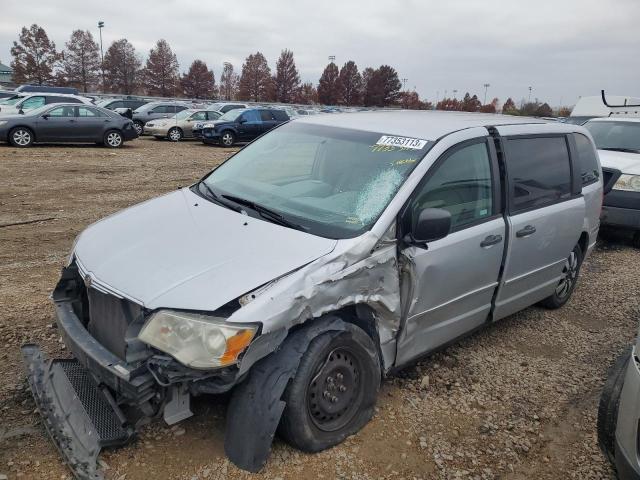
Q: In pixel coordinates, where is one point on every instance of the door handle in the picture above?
(526, 231)
(491, 240)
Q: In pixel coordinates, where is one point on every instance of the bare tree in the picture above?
(34, 56)
(122, 67)
(255, 82)
(161, 70)
(81, 63)
(199, 81)
(350, 84)
(329, 85)
(228, 83)
(287, 80)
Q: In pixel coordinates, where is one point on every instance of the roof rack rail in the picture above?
(604, 100)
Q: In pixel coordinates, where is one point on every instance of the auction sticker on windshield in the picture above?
(402, 142)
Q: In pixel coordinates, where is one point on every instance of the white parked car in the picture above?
(23, 103)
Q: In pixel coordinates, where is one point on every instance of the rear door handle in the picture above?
(491, 240)
(526, 231)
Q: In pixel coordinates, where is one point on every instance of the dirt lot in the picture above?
(517, 400)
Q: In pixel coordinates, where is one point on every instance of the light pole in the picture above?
(530, 94)
(332, 58)
(404, 83)
(486, 86)
(455, 92)
(100, 25)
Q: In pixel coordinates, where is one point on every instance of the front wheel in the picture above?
(227, 139)
(21, 137)
(636, 240)
(113, 139)
(567, 283)
(175, 134)
(139, 127)
(334, 392)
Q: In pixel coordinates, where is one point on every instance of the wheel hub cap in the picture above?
(21, 137)
(569, 274)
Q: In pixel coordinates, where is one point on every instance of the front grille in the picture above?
(109, 319)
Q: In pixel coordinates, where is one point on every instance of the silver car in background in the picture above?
(181, 125)
(322, 256)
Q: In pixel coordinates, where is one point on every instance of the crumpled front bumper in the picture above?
(80, 417)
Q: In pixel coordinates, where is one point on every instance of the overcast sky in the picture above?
(562, 48)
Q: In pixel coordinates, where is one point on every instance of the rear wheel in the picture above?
(21, 137)
(567, 283)
(175, 134)
(636, 239)
(609, 403)
(113, 139)
(334, 391)
(227, 138)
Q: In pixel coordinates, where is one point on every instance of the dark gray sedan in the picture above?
(67, 123)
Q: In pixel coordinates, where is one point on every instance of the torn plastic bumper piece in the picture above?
(80, 417)
(256, 405)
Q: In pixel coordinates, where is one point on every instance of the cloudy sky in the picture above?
(563, 49)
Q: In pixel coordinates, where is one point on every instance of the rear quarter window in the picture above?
(280, 115)
(539, 171)
(587, 160)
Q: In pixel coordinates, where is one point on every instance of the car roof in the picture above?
(428, 125)
(619, 118)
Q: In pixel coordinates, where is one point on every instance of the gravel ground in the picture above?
(517, 400)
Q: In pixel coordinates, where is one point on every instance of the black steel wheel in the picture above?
(334, 391)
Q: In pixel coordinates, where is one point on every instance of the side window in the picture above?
(88, 112)
(251, 116)
(114, 105)
(213, 115)
(160, 109)
(539, 171)
(265, 116)
(587, 160)
(199, 116)
(62, 112)
(33, 102)
(462, 185)
(177, 108)
(280, 115)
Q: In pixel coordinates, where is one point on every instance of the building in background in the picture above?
(6, 75)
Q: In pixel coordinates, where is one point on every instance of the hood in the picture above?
(182, 251)
(625, 162)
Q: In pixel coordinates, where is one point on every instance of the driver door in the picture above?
(453, 280)
(57, 125)
(249, 126)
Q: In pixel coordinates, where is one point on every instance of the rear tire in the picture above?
(567, 284)
(227, 138)
(175, 134)
(113, 139)
(636, 240)
(609, 404)
(334, 392)
(21, 137)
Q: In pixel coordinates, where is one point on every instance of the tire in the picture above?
(334, 391)
(227, 138)
(139, 127)
(567, 284)
(175, 134)
(113, 139)
(636, 240)
(609, 404)
(21, 137)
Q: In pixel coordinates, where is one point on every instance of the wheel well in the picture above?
(584, 242)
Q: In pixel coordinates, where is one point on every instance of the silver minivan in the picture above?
(297, 274)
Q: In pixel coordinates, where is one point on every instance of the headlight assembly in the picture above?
(629, 183)
(197, 340)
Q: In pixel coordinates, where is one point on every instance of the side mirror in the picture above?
(149, 112)
(21, 111)
(45, 116)
(431, 224)
(242, 120)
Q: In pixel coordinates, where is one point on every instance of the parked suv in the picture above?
(155, 110)
(114, 103)
(618, 142)
(24, 103)
(330, 251)
(242, 125)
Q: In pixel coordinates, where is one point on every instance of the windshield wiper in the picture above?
(211, 195)
(265, 212)
(616, 149)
